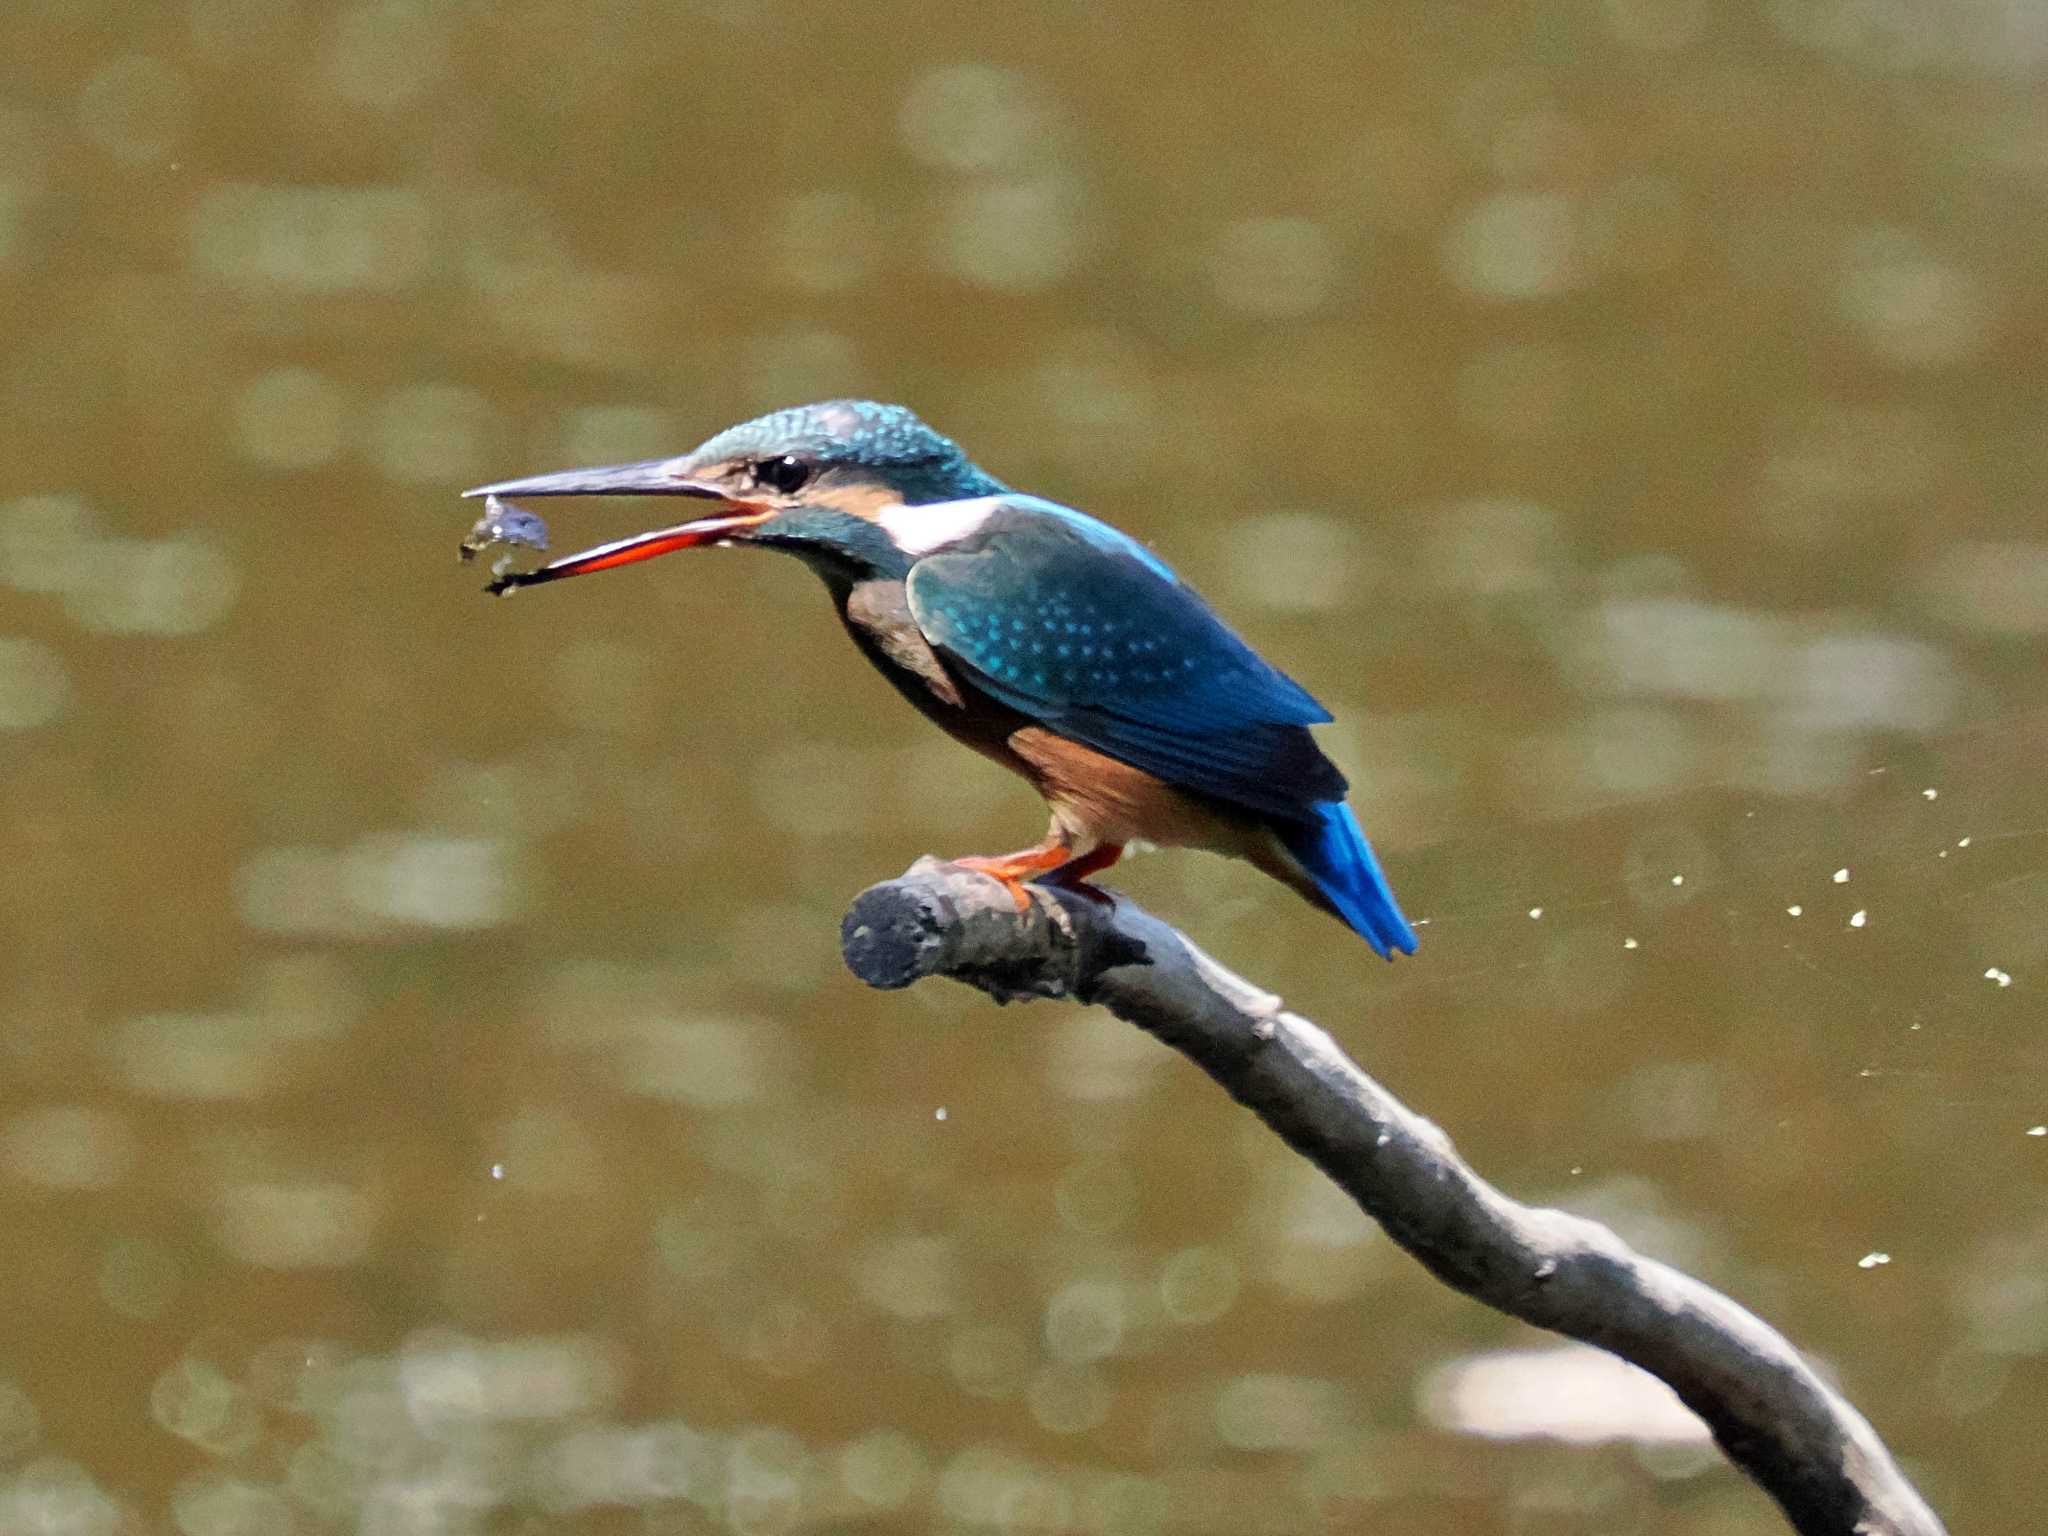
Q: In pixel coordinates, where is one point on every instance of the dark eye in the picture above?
(786, 475)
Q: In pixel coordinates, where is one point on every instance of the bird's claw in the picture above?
(1011, 872)
(1087, 890)
(1009, 881)
(1020, 888)
(1051, 866)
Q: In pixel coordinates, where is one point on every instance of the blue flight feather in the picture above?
(1333, 849)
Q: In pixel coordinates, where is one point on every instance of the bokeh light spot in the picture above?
(224, 28)
(1566, 1392)
(387, 51)
(433, 434)
(884, 1469)
(1014, 236)
(1199, 1285)
(67, 1146)
(196, 1402)
(319, 240)
(706, 1060)
(306, 1225)
(437, 882)
(291, 418)
(51, 1497)
(46, 542)
(34, 687)
(1912, 307)
(20, 1423)
(1307, 561)
(1275, 1413)
(1994, 586)
(136, 108)
(181, 585)
(975, 117)
(1085, 1321)
(1515, 245)
(1276, 268)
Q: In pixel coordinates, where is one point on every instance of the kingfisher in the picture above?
(1050, 642)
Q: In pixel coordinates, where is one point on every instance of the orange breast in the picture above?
(1100, 800)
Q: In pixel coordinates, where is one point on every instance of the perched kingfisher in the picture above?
(1061, 648)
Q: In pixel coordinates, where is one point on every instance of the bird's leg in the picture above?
(1013, 869)
(1073, 875)
(1054, 862)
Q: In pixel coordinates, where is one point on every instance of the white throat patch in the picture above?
(920, 530)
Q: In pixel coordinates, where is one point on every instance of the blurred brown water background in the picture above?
(432, 1101)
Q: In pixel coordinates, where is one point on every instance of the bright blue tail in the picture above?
(1333, 849)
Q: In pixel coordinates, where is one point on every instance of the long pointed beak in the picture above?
(655, 477)
(650, 477)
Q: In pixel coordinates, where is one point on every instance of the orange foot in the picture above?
(1055, 861)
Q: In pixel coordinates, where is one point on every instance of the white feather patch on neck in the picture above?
(920, 530)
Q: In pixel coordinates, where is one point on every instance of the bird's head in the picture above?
(813, 479)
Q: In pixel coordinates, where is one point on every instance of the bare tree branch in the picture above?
(1776, 1419)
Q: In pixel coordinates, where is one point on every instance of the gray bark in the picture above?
(1797, 1438)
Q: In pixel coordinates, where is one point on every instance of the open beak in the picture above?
(655, 477)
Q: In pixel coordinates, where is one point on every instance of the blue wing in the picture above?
(1064, 619)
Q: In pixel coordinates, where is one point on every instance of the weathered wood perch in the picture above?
(1802, 1442)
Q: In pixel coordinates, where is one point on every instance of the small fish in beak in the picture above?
(504, 523)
